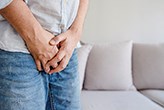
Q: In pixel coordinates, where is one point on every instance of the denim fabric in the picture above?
(64, 90)
(22, 87)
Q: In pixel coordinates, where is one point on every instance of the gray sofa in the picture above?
(121, 76)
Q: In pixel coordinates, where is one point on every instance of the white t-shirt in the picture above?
(56, 16)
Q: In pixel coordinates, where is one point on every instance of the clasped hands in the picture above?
(53, 53)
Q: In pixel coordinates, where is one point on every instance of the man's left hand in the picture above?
(66, 42)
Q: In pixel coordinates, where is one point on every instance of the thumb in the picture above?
(57, 39)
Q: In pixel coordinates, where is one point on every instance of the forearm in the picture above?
(77, 25)
(68, 40)
(20, 17)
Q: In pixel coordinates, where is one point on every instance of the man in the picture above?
(38, 56)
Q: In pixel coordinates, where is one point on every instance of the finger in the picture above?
(51, 65)
(50, 54)
(44, 61)
(57, 39)
(61, 66)
(54, 62)
(57, 58)
(38, 65)
(55, 50)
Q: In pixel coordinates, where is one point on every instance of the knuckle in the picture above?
(43, 60)
(40, 57)
(56, 39)
(58, 58)
(55, 52)
(55, 49)
(54, 65)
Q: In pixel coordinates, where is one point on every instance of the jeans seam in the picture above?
(51, 100)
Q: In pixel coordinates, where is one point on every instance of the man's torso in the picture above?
(56, 16)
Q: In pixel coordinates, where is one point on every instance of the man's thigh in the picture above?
(64, 92)
(21, 85)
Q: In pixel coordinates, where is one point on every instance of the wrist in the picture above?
(76, 30)
(32, 34)
(76, 35)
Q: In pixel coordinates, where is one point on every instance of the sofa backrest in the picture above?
(83, 53)
(109, 67)
(120, 66)
(148, 66)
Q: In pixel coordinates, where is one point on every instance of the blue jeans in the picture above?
(22, 87)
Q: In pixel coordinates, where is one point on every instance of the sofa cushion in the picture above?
(148, 66)
(109, 67)
(155, 95)
(83, 53)
(116, 100)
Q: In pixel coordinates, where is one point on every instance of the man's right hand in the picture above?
(41, 50)
(36, 38)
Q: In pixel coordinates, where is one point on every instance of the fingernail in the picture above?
(47, 70)
(52, 42)
(49, 73)
(39, 69)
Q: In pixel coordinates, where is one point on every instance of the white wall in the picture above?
(119, 20)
